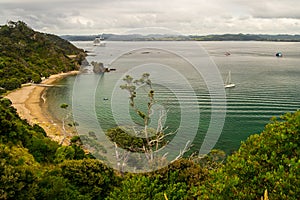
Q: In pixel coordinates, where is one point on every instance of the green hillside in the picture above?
(27, 55)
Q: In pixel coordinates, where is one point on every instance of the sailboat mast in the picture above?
(228, 83)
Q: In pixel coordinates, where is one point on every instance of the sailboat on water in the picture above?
(228, 83)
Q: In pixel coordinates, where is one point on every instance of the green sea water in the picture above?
(266, 86)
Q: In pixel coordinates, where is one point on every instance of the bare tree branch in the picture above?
(185, 149)
(154, 141)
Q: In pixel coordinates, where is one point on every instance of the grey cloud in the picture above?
(190, 16)
(270, 8)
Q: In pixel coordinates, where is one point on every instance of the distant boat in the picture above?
(99, 41)
(228, 83)
(227, 53)
(278, 54)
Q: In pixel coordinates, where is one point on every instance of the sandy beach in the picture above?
(28, 100)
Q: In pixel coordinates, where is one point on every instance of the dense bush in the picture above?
(28, 166)
(172, 182)
(267, 161)
(27, 55)
(17, 131)
(90, 176)
(145, 187)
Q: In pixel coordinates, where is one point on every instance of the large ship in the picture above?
(99, 41)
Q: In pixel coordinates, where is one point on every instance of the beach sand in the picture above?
(28, 102)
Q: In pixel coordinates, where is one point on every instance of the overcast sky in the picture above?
(184, 16)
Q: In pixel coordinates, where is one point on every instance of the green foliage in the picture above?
(71, 152)
(76, 144)
(28, 164)
(17, 156)
(173, 181)
(125, 140)
(64, 105)
(17, 182)
(43, 149)
(147, 140)
(131, 85)
(145, 187)
(182, 170)
(17, 131)
(64, 153)
(10, 84)
(18, 178)
(27, 55)
(269, 161)
(91, 177)
(57, 188)
(76, 140)
(2, 90)
(137, 187)
(266, 162)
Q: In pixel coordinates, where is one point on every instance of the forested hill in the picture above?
(27, 55)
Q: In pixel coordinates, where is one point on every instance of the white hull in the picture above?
(99, 42)
(100, 45)
(230, 85)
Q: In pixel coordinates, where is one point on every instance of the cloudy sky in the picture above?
(184, 16)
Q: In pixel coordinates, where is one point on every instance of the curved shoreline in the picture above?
(28, 101)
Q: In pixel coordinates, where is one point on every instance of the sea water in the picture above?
(266, 86)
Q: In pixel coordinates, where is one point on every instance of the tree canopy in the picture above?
(27, 55)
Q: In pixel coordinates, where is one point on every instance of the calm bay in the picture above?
(266, 86)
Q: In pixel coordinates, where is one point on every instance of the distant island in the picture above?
(165, 37)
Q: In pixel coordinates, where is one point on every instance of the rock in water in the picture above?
(98, 67)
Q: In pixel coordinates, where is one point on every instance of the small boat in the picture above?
(228, 83)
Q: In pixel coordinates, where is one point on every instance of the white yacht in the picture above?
(99, 41)
(228, 83)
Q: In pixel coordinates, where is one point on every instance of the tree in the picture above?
(146, 140)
